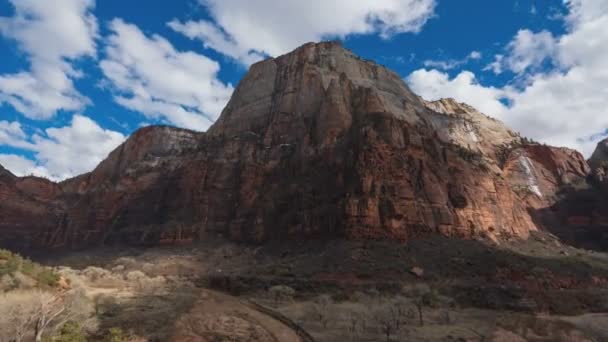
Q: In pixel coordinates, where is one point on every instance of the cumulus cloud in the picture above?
(11, 133)
(565, 106)
(52, 34)
(247, 30)
(527, 51)
(150, 76)
(61, 152)
(434, 85)
(21, 166)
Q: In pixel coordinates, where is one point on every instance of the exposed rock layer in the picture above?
(316, 143)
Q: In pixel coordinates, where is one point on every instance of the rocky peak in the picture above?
(599, 165)
(599, 158)
(6, 174)
(148, 147)
(461, 124)
(295, 89)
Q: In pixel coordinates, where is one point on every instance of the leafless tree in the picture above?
(27, 311)
(16, 316)
(48, 307)
(27, 314)
(447, 317)
(387, 322)
(355, 325)
(321, 309)
(399, 311)
(419, 306)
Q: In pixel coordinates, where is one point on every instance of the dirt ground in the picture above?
(534, 290)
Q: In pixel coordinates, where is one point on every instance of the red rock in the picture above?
(417, 271)
(316, 143)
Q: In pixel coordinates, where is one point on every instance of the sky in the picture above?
(77, 77)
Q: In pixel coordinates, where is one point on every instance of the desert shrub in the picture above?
(95, 273)
(116, 335)
(47, 277)
(118, 269)
(280, 293)
(70, 332)
(100, 277)
(9, 262)
(144, 284)
(8, 282)
(431, 299)
(135, 276)
(12, 265)
(127, 262)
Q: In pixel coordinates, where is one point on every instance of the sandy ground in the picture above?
(219, 316)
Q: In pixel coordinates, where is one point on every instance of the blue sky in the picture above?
(78, 76)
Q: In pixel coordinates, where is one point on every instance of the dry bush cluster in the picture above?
(38, 303)
(118, 278)
(370, 315)
(17, 272)
(35, 314)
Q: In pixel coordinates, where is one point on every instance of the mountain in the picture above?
(315, 143)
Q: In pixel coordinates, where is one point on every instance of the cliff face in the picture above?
(315, 143)
(580, 216)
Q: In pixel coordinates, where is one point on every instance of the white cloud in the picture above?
(452, 63)
(496, 66)
(52, 34)
(246, 30)
(60, 153)
(527, 50)
(565, 106)
(151, 77)
(11, 133)
(216, 39)
(434, 85)
(475, 55)
(21, 166)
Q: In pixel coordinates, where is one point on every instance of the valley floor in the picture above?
(433, 289)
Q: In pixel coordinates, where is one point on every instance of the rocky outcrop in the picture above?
(579, 216)
(315, 143)
(27, 208)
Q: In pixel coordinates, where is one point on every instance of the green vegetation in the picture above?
(12, 264)
(117, 335)
(69, 332)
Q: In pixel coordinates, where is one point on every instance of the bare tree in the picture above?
(355, 325)
(16, 316)
(399, 311)
(447, 317)
(419, 306)
(48, 307)
(388, 325)
(321, 309)
(30, 314)
(24, 311)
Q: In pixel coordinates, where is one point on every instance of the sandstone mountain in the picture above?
(315, 143)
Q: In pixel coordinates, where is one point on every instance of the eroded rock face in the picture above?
(579, 216)
(316, 143)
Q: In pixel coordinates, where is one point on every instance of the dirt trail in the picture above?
(218, 315)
